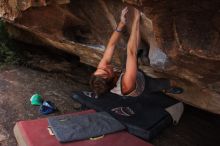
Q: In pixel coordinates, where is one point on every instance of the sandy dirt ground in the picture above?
(18, 84)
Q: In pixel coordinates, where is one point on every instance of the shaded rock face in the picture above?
(180, 39)
(11, 9)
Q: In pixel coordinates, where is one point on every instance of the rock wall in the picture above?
(10, 9)
(182, 37)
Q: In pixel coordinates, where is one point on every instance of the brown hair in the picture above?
(100, 85)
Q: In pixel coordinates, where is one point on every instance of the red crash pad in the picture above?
(35, 133)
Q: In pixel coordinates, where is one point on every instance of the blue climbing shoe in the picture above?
(175, 90)
(47, 107)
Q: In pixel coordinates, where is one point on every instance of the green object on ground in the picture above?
(36, 99)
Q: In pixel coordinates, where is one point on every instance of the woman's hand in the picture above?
(137, 14)
(123, 15)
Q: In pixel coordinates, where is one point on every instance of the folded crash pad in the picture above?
(144, 116)
(35, 133)
(79, 127)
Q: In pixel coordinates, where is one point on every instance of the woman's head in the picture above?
(102, 80)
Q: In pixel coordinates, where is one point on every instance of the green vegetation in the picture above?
(8, 53)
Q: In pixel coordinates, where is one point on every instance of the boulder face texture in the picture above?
(180, 39)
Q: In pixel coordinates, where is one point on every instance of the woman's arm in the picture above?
(129, 77)
(106, 59)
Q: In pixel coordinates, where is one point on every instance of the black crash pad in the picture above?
(143, 116)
